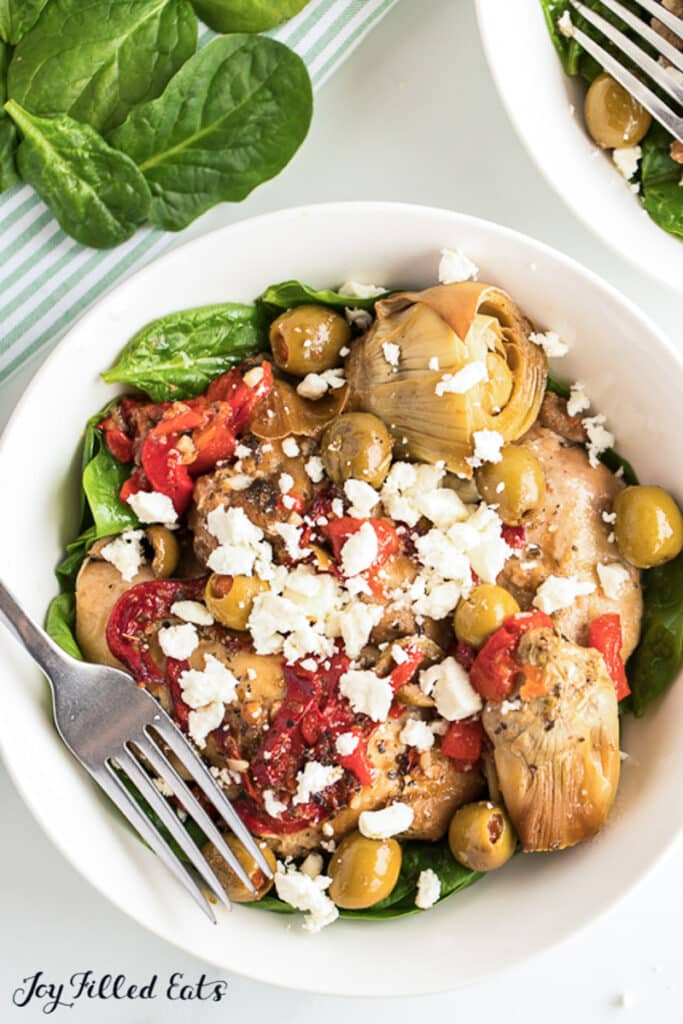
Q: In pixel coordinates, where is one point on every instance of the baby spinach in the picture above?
(102, 481)
(8, 133)
(246, 15)
(180, 354)
(60, 623)
(230, 119)
(288, 294)
(96, 193)
(17, 17)
(95, 61)
(660, 176)
(659, 656)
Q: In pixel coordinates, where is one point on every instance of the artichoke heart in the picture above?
(439, 331)
(556, 743)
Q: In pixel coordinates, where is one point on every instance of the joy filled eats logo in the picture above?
(37, 989)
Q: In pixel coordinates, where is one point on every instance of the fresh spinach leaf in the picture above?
(102, 480)
(60, 623)
(67, 570)
(557, 387)
(96, 193)
(180, 354)
(246, 15)
(95, 61)
(17, 17)
(232, 118)
(288, 294)
(659, 656)
(660, 176)
(8, 133)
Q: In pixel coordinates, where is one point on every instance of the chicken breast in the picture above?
(572, 534)
(556, 743)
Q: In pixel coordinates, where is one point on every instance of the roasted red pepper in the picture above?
(494, 671)
(514, 536)
(166, 469)
(339, 530)
(463, 741)
(606, 636)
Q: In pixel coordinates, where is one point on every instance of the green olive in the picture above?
(649, 526)
(613, 117)
(166, 551)
(481, 836)
(308, 339)
(482, 613)
(236, 889)
(364, 871)
(357, 445)
(516, 484)
(231, 598)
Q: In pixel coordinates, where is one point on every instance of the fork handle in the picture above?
(36, 641)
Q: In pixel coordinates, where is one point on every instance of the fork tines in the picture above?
(668, 79)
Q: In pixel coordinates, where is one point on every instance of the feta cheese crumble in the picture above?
(363, 498)
(273, 807)
(315, 469)
(307, 894)
(367, 693)
(361, 291)
(203, 721)
(599, 438)
(551, 343)
(392, 353)
(578, 400)
(428, 889)
(153, 507)
(346, 743)
(626, 160)
(290, 447)
(455, 266)
(449, 685)
(315, 385)
(192, 611)
(416, 733)
(179, 642)
(463, 380)
(566, 25)
(360, 550)
(487, 446)
(390, 821)
(558, 592)
(215, 682)
(241, 549)
(125, 553)
(314, 778)
(613, 578)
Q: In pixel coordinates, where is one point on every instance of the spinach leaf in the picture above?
(102, 480)
(17, 17)
(574, 58)
(660, 176)
(67, 570)
(60, 622)
(97, 60)
(293, 293)
(558, 387)
(231, 118)
(180, 354)
(8, 133)
(96, 193)
(246, 15)
(659, 656)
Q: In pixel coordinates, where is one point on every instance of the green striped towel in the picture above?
(47, 280)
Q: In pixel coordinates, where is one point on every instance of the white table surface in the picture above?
(412, 116)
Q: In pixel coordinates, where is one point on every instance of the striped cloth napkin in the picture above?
(47, 279)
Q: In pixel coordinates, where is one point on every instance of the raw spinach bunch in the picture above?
(115, 120)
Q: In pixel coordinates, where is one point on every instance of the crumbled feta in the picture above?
(428, 889)
(273, 807)
(315, 385)
(608, 517)
(314, 778)
(449, 685)
(290, 447)
(416, 733)
(215, 682)
(152, 507)
(291, 535)
(566, 25)
(163, 787)
(254, 376)
(307, 894)
(398, 654)
(346, 743)
(487, 446)
(363, 498)
(242, 451)
(558, 592)
(361, 291)
(242, 549)
(356, 623)
(202, 721)
(626, 160)
(551, 343)
(433, 363)
(360, 551)
(578, 400)
(192, 611)
(315, 469)
(125, 553)
(367, 693)
(613, 578)
(179, 641)
(599, 438)
(361, 319)
(456, 266)
(312, 865)
(390, 821)
(239, 482)
(405, 485)
(464, 380)
(392, 353)
(285, 482)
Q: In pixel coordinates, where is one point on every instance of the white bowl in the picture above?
(634, 376)
(546, 108)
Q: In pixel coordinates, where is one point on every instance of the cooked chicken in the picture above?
(569, 536)
(556, 748)
(99, 585)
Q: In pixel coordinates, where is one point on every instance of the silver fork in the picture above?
(112, 727)
(669, 83)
